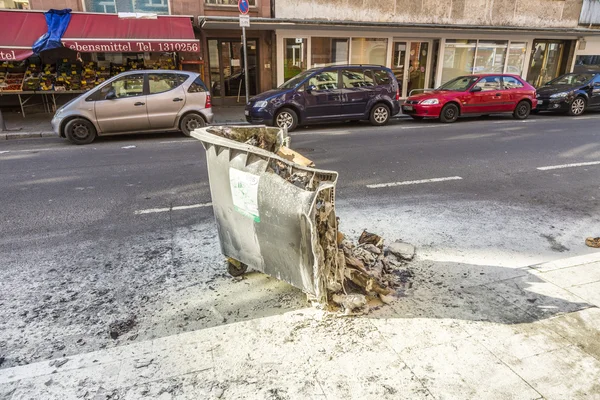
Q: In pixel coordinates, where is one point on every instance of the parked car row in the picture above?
(162, 101)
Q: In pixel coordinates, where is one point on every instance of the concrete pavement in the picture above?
(524, 333)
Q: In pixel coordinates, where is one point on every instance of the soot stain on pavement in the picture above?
(555, 245)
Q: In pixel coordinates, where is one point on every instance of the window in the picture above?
(329, 51)
(117, 6)
(228, 2)
(489, 83)
(516, 58)
(14, 4)
(197, 86)
(382, 77)
(127, 86)
(369, 51)
(159, 83)
(295, 57)
(511, 83)
(459, 84)
(459, 56)
(325, 80)
(355, 78)
(490, 56)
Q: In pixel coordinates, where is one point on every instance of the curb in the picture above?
(26, 135)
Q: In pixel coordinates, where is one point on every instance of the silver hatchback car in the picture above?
(136, 102)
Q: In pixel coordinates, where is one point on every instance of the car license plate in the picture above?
(407, 108)
(246, 112)
(540, 101)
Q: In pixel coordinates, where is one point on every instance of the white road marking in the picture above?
(7, 151)
(590, 117)
(180, 141)
(128, 147)
(158, 210)
(391, 184)
(583, 164)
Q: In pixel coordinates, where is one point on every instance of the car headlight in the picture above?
(260, 104)
(560, 95)
(430, 102)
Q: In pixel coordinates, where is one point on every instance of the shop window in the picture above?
(160, 83)
(369, 51)
(327, 80)
(511, 83)
(14, 4)
(587, 63)
(228, 2)
(489, 83)
(295, 57)
(516, 58)
(329, 51)
(491, 56)
(117, 6)
(459, 57)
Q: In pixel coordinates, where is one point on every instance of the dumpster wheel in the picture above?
(236, 268)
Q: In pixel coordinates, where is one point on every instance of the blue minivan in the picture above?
(335, 93)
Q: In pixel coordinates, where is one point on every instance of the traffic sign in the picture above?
(243, 6)
(245, 21)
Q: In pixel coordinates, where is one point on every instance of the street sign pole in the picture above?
(244, 8)
(245, 63)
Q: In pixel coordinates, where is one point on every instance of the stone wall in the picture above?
(526, 13)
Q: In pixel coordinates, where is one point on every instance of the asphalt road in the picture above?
(53, 190)
(90, 234)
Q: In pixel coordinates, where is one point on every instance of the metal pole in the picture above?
(245, 63)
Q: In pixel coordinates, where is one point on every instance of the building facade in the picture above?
(425, 42)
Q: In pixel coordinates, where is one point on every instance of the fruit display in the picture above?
(32, 79)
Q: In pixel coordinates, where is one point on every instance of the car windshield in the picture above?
(571, 79)
(292, 83)
(459, 84)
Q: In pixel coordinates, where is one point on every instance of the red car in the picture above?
(474, 95)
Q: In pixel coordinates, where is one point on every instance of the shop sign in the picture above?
(14, 54)
(111, 46)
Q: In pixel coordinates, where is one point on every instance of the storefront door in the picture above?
(410, 63)
(226, 60)
(547, 61)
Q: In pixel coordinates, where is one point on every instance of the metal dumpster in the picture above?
(272, 215)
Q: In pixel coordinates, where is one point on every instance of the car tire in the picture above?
(417, 118)
(449, 113)
(380, 115)
(286, 118)
(577, 106)
(522, 110)
(190, 122)
(80, 131)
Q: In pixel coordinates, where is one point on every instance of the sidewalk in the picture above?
(38, 124)
(461, 332)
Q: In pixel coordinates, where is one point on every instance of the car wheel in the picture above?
(417, 118)
(80, 131)
(190, 122)
(522, 110)
(287, 119)
(577, 106)
(449, 113)
(380, 115)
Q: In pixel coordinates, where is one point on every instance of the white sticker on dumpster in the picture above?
(244, 191)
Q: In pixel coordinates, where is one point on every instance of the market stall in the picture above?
(94, 48)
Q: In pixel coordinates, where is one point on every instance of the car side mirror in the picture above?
(111, 95)
(310, 88)
(476, 89)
